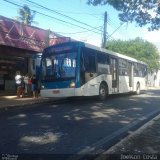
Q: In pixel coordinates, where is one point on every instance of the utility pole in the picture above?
(104, 31)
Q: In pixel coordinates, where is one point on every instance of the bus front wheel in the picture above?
(103, 92)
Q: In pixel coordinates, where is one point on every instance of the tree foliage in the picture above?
(139, 49)
(26, 16)
(143, 12)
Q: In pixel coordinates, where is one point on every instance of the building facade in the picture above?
(154, 79)
(20, 49)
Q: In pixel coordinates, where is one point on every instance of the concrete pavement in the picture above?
(10, 101)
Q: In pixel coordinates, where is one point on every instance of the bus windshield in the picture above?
(60, 66)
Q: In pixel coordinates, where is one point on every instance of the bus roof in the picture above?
(113, 53)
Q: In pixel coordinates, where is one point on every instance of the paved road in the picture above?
(77, 126)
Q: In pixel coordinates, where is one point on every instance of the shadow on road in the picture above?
(71, 125)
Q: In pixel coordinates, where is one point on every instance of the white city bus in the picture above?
(79, 69)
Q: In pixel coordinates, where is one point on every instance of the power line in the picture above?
(79, 31)
(86, 29)
(125, 34)
(55, 18)
(61, 14)
(112, 22)
(81, 13)
(114, 31)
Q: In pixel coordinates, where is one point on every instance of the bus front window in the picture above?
(59, 66)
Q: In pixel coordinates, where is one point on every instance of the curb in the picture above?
(153, 88)
(28, 103)
(120, 134)
(133, 134)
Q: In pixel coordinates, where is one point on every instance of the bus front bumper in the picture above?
(64, 92)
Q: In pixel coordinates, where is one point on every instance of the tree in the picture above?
(26, 16)
(139, 49)
(143, 12)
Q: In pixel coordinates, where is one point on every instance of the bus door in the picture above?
(114, 70)
(88, 72)
(130, 74)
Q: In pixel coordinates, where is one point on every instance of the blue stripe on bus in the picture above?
(57, 85)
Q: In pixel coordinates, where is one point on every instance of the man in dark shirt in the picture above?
(34, 81)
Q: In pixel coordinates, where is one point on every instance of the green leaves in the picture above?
(139, 49)
(26, 16)
(143, 12)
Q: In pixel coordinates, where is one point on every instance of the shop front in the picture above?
(19, 45)
(11, 61)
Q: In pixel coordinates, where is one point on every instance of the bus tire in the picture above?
(138, 90)
(103, 92)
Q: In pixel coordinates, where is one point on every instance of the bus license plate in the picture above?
(56, 91)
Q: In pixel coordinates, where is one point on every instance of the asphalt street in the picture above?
(80, 125)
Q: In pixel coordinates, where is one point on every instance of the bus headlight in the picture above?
(72, 85)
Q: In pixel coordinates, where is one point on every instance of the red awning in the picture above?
(15, 34)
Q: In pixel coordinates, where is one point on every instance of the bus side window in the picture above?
(142, 70)
(145, 71)
(123, 67)
(103, 63)
(90, 64)
(135, 69)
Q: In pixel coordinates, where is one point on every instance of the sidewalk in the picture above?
(10, 100)
(143, 144)
(145, 140)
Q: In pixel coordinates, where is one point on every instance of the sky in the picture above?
(76, 19)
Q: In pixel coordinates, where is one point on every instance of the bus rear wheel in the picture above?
(103, 92)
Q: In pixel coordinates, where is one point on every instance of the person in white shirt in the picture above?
(19, 84)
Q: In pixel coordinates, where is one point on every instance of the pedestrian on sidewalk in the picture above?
(34, 81)
(26, 81)
(20, 86)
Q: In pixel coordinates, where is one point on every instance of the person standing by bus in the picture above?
(20, 86)
(26, 81)
(34, 81)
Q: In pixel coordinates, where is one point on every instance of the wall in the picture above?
(154, 79)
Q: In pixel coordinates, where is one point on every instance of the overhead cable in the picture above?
(61, 14)
(54, 18)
